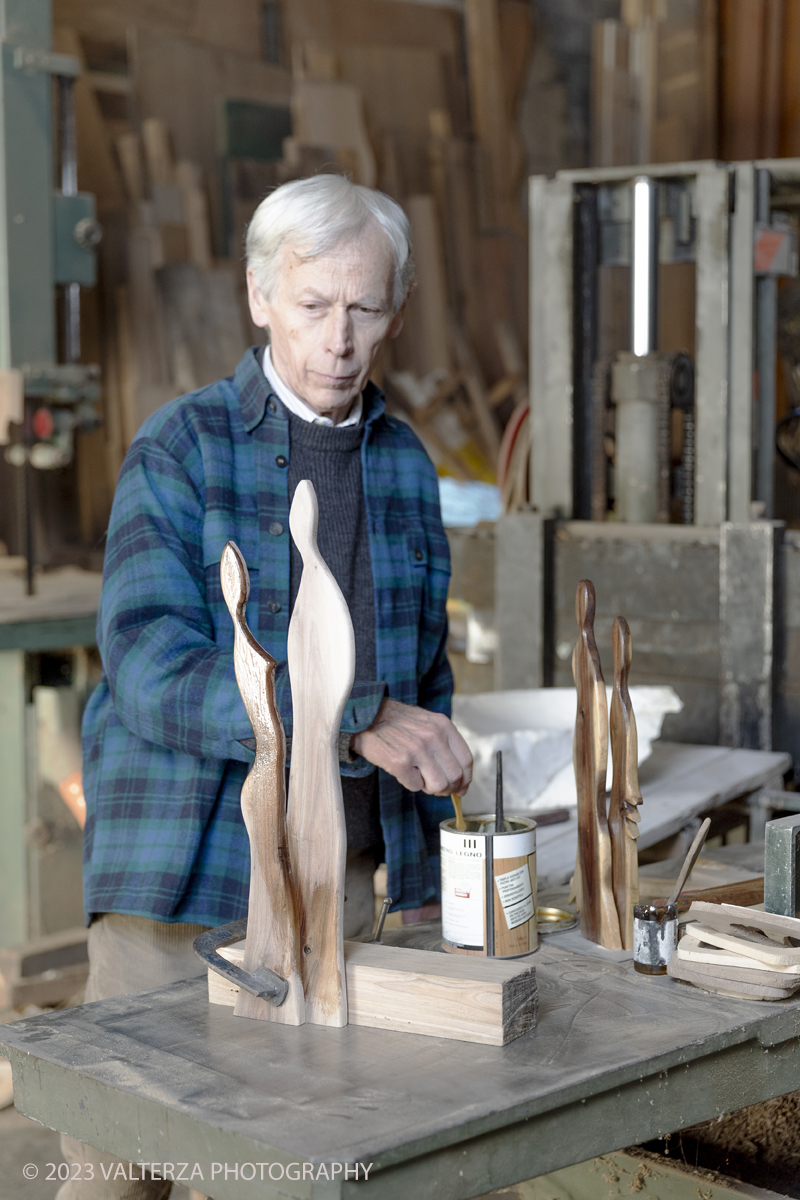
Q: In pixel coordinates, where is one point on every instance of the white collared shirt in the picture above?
(298, 406)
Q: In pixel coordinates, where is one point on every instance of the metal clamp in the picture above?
(262, 982)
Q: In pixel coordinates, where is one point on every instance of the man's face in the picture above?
(327, 318)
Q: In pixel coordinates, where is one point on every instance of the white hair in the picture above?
(319, 214)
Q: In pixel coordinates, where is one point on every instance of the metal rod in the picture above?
(766, 355)
(585, 266)
(27, 469)
(499, 822)
(644, 267)
(489, 897)
(387, 904)
(69, 187)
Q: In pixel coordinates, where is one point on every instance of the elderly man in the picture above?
(167, 742)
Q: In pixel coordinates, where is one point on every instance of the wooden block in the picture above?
(492, 1001)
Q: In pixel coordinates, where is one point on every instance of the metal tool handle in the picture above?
(262, 983)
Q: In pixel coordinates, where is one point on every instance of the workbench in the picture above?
(61, 616)
(680, 782)
(617, 1058)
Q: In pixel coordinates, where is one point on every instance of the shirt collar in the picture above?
(254, 392)
(299, 407)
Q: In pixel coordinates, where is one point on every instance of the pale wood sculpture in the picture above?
(273, 928)
(599, 920)
(486, 1000)
(623, 811)
(321, 654)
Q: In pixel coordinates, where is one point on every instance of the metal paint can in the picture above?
(489, 887)
(655, 937)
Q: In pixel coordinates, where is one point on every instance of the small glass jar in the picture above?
(655, 937)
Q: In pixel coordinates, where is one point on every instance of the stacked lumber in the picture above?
(654, 91)
(739, 952)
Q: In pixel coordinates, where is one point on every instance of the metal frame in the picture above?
(726, 341)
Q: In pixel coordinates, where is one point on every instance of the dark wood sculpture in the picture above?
(623, 813)
(599, 920)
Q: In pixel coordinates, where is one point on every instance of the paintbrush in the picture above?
(499, 822)
(690, 860)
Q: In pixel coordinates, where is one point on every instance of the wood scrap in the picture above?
(748, 945)
(490, 1001)
(428, 306)
(129, 153)
(695, 950)
(737, 989)
(195, 208)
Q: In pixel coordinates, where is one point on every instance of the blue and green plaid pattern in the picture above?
(164, 761)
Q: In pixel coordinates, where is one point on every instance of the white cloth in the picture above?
(298, 406)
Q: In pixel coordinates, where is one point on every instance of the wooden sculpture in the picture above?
(273, 926)
(321, 655)
(599, 920)
(623, 812)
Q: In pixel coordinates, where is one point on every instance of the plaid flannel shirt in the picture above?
(163, 733)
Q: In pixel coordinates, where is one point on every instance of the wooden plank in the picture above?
(321, 655)
(332, 114)
(490, 1001)
(488, 101)
(711, 363)
(273, 916)
(599, 920)
(623, 812)
(790, 81)
(234, 26)
(428, 306)
(769, 141)
(741, 55)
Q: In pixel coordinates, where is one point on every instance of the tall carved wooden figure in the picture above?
(599, 922)
(623, 813)
(273, 928)
(321, 669)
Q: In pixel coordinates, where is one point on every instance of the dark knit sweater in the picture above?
(331, 458)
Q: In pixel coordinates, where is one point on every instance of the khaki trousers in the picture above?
(135, 954)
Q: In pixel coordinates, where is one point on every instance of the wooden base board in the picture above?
(492, 1001)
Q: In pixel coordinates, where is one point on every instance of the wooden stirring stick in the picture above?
(461, 824)
(623, 812)
(599, 920)
(690, 860)
(322, 655)
(273, 919)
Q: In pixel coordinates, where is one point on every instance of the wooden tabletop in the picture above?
(616, 1058)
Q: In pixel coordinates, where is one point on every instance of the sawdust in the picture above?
(759, 1145)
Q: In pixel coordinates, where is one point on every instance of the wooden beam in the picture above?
(491, 1000)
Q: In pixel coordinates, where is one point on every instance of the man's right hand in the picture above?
(423, 750)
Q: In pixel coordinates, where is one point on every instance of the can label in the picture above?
(463, 904)
(516, 895)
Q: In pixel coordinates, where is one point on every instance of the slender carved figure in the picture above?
(321, 654)
(599, 921)
(623, 813)
(273, 927)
